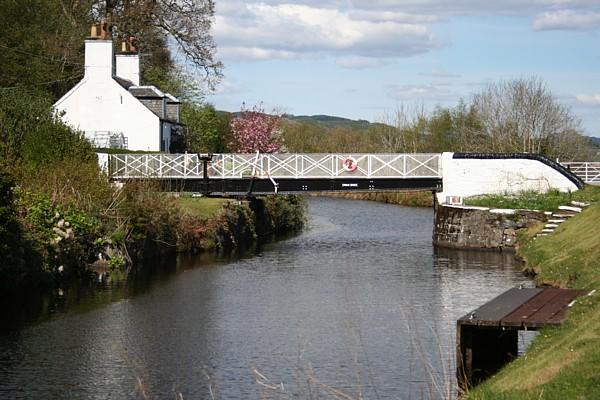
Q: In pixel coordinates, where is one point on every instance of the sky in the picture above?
(365, 59)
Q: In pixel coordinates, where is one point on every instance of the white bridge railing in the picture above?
(274, 166)
(589, 172)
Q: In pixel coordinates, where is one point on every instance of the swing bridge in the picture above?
(257, 174)
(238, 174)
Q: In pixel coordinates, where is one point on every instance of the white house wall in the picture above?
(471, 177)
(104, 105)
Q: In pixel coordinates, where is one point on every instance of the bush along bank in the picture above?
(159, 225)
(239, 224)
(45, 243)
(563, 362)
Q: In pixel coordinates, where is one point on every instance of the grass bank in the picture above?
(536, 201)
(203, 207)
(564, 362)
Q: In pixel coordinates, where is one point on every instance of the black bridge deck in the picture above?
(249, 186)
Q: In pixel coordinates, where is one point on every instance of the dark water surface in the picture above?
(360, 304)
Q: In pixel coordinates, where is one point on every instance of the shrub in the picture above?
(66, 238)
(31, 132)
(148, 217)
(286, 213)
(19, 263)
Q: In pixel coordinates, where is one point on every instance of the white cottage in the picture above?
(111, 107)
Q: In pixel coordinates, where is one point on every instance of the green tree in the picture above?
(42, 43)
(205, 130)
(19, 263)
(31, 133)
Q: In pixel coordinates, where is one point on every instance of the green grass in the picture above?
(204, 207)
(564, 362)
(536, 201)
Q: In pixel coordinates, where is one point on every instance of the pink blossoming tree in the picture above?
(254, 130)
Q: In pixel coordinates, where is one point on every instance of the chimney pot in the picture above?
(132, 44)
(104, 34)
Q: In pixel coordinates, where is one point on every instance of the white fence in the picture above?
(589, 172)
(107, 139)
(276, 166)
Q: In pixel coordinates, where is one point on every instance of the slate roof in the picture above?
(125, 83)
(146, 92)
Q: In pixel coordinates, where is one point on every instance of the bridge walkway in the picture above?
(281, 173)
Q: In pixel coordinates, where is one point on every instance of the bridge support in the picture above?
(205, 186)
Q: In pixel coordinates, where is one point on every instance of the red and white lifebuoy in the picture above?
(349, 164)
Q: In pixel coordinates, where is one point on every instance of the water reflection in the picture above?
(360, 303)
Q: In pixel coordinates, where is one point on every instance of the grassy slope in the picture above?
(204, 207)
(536, 201)
(563, 363)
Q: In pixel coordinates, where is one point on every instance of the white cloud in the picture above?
(440, 73)
(241, 53)
(355, 62)
(393, 16)
(227, 87)
(435, 92)
(263, 31)
(567, 20)
(353, 30)
(588, 100)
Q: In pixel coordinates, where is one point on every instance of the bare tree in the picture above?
(522, 115)
(404, 131)
(185, 23)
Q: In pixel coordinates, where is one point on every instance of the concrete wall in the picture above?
(471, 176)
(481, 228)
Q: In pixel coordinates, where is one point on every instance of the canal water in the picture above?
(360, 305)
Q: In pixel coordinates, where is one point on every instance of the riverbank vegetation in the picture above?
(564, 362)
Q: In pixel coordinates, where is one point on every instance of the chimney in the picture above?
(99, 53)
(128, 61)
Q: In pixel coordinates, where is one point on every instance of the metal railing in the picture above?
(589, 172)
(107, 139)
(276, 166)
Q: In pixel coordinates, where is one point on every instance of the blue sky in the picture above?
(364, 59)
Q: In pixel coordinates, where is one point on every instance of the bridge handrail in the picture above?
(278, 166)
(588, 171)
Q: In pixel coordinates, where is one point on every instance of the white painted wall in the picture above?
(128, 67)
(98, 59)
(471, 177)
(99, 103)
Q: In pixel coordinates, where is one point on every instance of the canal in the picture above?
(360, 305)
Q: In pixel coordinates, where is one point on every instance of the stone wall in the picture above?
(480, 227)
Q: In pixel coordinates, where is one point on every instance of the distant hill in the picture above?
(594, 141)
(327, 121)
(331, 121)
